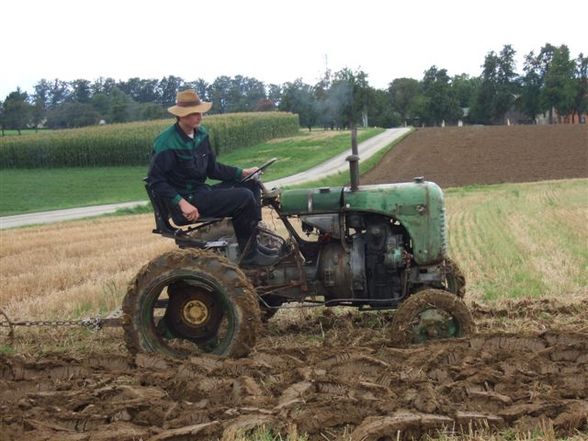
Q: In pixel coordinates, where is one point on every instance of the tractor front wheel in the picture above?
(431, 314)
(455, 281)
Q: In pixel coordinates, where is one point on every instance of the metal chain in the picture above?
(92, 323)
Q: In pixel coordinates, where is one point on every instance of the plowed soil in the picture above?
(458, 156)
(335, 374)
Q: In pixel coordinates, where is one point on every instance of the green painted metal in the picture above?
(310, 200)
(418, 206)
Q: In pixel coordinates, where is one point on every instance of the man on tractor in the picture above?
(182, 159)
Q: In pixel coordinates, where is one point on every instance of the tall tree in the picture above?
(131, 87)
(243, 94)
(443, 105)
(465, 89)
(559, 92)
(102, 85)
(581, 99)
(72, 114)
(148, 111)
(274, 94)
(102, 103)
(544, 59)
(298, 97)
(167, 89)
(348, 97)
(140, 90)
(532, 84)
(17, 111)
(321, 90)
(402, 92)
(58, 93)
(498, 87)
(81, 92)
(507, 86)
(2, 123)
(201, 88)
(121, 104)
(219, 94)
(382, 112)
(40, 102)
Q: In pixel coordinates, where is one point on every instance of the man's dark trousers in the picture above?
(241, 202)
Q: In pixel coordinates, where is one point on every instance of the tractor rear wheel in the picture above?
(188, 302)
(431, 314)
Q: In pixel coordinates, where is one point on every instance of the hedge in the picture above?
(130, 143)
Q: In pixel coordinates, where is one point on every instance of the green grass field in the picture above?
(27, 190)
(297, 153)
(30, 190)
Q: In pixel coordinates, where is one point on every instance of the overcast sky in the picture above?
(273, 41)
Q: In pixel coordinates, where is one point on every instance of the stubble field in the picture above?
(327, 374)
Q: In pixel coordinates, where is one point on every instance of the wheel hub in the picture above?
(195, 312)
(434, 324)
(192, 312)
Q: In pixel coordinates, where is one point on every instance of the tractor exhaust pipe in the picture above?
(354, 160)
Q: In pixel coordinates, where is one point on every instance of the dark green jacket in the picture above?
(180, 165)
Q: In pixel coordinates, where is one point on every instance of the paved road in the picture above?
(337, 164)
(332, 166)
(47, 217)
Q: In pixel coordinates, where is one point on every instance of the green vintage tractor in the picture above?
(370, 247)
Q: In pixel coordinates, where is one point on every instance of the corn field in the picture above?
(130, 143)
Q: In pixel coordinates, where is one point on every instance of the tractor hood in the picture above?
(418, 206)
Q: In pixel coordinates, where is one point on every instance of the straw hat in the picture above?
(188, 101)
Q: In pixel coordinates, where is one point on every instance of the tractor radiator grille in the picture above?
(443, 231)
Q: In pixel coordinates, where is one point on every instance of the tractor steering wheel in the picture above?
(257, 172)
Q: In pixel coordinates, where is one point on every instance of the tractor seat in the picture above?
(165, 211)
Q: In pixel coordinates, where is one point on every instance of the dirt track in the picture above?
(335, 375)
(457, 156)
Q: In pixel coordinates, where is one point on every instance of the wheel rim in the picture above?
(193, 311)
(187, 314)
(434, 324)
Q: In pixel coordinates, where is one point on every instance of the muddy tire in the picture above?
(455, 281)
(188, 302)
(431, 314)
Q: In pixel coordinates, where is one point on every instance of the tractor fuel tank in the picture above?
(310, 201)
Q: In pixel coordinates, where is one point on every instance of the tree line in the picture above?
(552, 82)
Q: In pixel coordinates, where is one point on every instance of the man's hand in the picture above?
(249, 171)
(189, 211)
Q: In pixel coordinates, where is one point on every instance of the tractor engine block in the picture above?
(368, 267)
